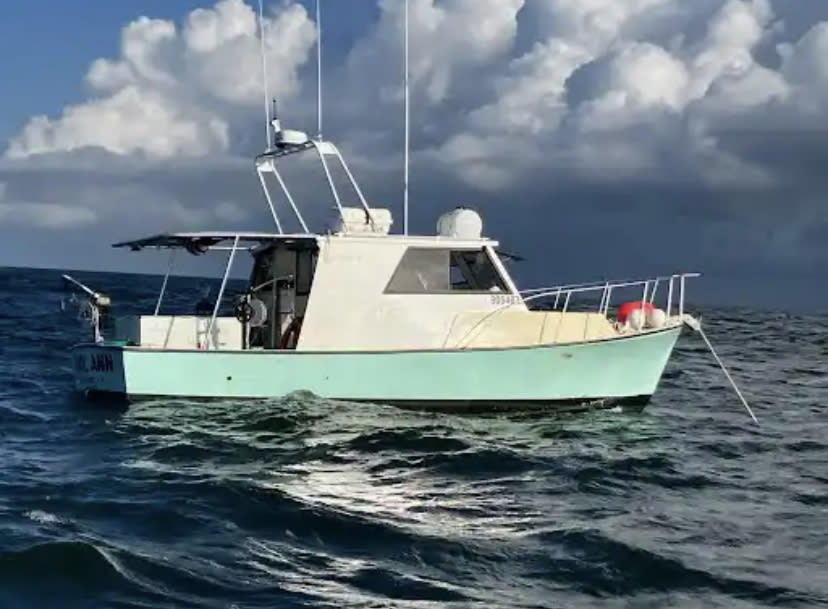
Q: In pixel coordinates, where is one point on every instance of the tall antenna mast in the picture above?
(318, 70)
(264, 73)
(407, 134)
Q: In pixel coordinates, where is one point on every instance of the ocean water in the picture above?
(303, 502)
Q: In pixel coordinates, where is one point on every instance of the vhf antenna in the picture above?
(407, 129)
(318, 70)
(264, 74)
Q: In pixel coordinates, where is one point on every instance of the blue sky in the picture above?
(689, 135)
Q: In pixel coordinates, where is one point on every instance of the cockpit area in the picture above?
(277, 298)
(266, 314)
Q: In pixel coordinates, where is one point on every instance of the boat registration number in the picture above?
(505, 299)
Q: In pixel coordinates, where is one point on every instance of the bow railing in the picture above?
(649, 291)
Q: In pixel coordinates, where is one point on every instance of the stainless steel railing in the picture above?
(563, 294)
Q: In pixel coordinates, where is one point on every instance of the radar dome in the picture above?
(460, 223)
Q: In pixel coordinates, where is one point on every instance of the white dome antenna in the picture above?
(460, 223)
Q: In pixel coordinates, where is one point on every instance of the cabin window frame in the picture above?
(406, 279)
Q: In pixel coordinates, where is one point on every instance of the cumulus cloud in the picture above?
(598, 86)
(177, 91)
(610, 86)
(450, 39)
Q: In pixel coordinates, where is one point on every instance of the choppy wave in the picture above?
(305, 502)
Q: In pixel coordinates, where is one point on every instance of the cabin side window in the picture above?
(440, 271)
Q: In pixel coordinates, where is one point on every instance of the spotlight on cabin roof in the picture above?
(460, 223)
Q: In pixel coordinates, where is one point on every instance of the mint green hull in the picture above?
(612, 369)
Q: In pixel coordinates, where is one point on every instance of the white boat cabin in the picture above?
(361, 289)
(359, 292)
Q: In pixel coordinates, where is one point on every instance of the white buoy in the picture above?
(656, 318)
(636, 319)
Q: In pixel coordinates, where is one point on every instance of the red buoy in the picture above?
(628, 307)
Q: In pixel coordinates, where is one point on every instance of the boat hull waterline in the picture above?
(612, 371)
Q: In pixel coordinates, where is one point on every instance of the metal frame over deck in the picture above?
(286, 143)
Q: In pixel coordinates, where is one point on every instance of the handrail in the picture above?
(611, 283)
(650, 287)
(565, 293)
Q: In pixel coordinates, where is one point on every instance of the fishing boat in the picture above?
(357, 312)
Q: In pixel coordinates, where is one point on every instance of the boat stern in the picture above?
(99, 369)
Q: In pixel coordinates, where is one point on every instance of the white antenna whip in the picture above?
(318, 70)
(264, 73)
(407, 131)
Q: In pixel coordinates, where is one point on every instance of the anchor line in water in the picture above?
(695, 325)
